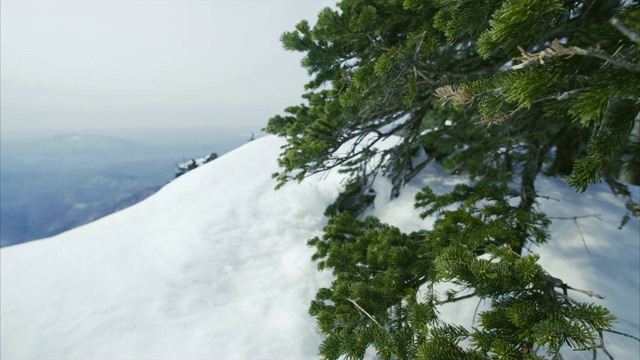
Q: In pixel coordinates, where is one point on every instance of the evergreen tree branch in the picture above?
(564, 96)
(384, 60)
(461, 95)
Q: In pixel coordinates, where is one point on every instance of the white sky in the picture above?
(111, 64)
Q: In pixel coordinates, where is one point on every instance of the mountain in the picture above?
(57, 183)
(215, 265)
(74, 149)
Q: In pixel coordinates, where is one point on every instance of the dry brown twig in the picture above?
(460, 96)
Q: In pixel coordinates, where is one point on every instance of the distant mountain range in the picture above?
(60, 182)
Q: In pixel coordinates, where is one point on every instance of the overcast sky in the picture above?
(89, 64)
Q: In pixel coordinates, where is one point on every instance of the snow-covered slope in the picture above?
(215, 266)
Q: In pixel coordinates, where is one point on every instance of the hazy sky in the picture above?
(89, 64)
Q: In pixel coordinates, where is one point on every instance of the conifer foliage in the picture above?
(500, 91)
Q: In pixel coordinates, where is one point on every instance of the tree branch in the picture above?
(364, 311)
(597, 216)
(464, 297)
(586, 292)
(556, 49)
(623, 334)
(602, 346)
(632, 35)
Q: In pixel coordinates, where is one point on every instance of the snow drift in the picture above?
(215, 265)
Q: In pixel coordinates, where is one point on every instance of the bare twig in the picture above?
(456, 299)
(558, 283)
(549, 198)
(364, 311)
(460, 95)
(587, 292)
(623, 334)
(556, 49)
(564, 96)
(575, 221)
(593, 351)
(475, 312)
(602, 346)
(597, 216)
(632, 35)
(568, 298)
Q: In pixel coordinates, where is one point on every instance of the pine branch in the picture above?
(383, 73)
(564, 96)
(461, 95)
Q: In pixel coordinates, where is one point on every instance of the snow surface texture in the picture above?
(215, 266)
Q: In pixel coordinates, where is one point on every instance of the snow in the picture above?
(215, 265)
(197, 162)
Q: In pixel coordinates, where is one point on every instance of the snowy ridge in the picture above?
(215, 266)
